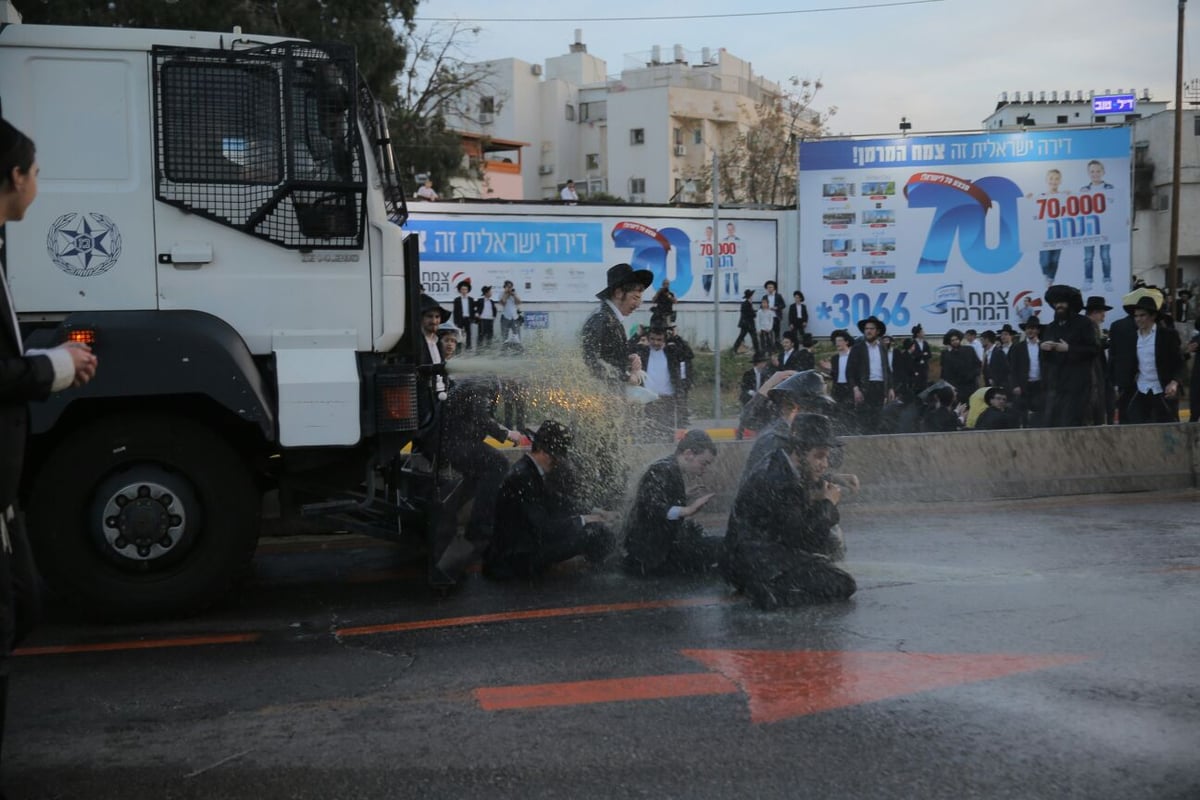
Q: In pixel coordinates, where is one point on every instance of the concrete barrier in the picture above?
(990, 465)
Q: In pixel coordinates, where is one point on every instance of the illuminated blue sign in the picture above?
(1113, 104)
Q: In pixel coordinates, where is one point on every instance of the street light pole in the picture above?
(1173, 276)
(716, 286)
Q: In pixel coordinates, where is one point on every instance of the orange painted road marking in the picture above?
(784, 684)
(501, 698)
(534, 613)
(139, 644)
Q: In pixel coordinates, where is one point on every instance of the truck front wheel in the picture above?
(137, 517)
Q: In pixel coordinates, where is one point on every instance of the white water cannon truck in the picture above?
(220, 217)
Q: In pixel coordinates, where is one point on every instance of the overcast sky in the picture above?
(941, 63)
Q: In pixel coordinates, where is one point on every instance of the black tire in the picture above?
(143, 517)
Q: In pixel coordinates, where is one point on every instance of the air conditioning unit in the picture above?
(546, 169)
(680, 150)
(486, 117)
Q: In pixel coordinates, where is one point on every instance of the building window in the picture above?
(1100, 118)
(1196, 125)
(595, 187)
(487, 105)
(637, 135)
(593, 160)
(1132, 117)
(570, 112)
(697, 136)
(637, 185)
(1163, 201)
(1062, 119)
(679, 136)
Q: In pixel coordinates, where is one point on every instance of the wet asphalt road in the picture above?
(1045, 649)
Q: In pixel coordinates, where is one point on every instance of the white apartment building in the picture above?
(1067, 107)
(646, 135)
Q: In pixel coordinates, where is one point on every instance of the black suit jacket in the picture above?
(672, 354)
(605, 346)
(797, 317)
(462, 316)
(749, 385)
(1168, 355)
(1018, 365)
(797, 360)
(530, 514)
(995, 367)
(858, 370)
(648, 533)
(22, 379)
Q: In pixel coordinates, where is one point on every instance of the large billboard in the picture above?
(961, 231)
(555, 257)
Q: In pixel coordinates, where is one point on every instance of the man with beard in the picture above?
(605, 346)
(1069, 346)
(660, 535)
(869, 374)
(1146, 366)
(1101, 401)
(960, 366)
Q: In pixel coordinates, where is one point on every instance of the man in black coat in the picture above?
(1069, 346)
(660, 535)
(25, 376)
(869, 373)
(431, 385)
(960, 365)
(792, 358)
(537, 524)
(1025, 371)
(777, 304)
(604, 339)
(781, 539)
(997, 416)
(464, 311)
(746, 325)
(1146, 363)
(995, 362)
(798, 314)
(663, 376)
(921, 356)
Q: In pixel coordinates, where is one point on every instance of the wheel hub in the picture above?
(143, 521)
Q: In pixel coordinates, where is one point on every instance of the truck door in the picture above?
(87, 243)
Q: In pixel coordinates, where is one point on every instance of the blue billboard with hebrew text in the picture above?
(961, 231)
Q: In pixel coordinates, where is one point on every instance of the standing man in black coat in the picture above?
(995, 362)
(1146, 366)
(746, 322)
(777, 304)
(798, 314)
(1025, 375)
(25, 376)
(663, 376)
(1069, 347)
(869, 374)
(537, 525)
(486, 312)
(960, 365)
(431, 385)
(464, 311)
(921, 356)
(660, 535)
(605, 341)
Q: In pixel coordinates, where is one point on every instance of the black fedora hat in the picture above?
(1130, 300)
(811, 430)
(1007, 329)
(1145, 304)
(1062, 293)
(1096, 303)
(625, 275)
(1032, 322)
(862, 324)
(554, 438)
(803, 386)
(429, 304)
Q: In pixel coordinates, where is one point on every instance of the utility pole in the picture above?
(716, 286)
(1173, 276)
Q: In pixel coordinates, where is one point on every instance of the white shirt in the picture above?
(1035, 366)
(486, 310)
(658, 376)
(977, 345)
(464, 305)
(509, 309)
(843, 358)
(1147, 376)
(875, 359)
(568, 194)
(435, 357)
(427, 193)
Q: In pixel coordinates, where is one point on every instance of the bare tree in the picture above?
(758, 166)
(441, 95)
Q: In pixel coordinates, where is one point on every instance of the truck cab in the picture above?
(219, 216)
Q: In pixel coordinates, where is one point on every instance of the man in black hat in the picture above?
(780, 401)
(777, 304)
(605, 343)
(1069, 347)
(537, 524)
(1101, 396)
(660, 535)
(431, 386)
(869, 374)
(781, 539)
(1146, 367)
(664, 376)
(1025, 369)
(464, 311)
(921, 356)
(960, 365)
(995, 361)
(746, 324)
(997, 416)
(486, 312)
(754, 378)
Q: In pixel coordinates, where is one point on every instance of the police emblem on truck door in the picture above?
(84, 244)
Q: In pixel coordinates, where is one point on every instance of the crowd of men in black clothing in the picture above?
(1067, 371)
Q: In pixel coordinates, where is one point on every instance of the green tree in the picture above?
(375, 27)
